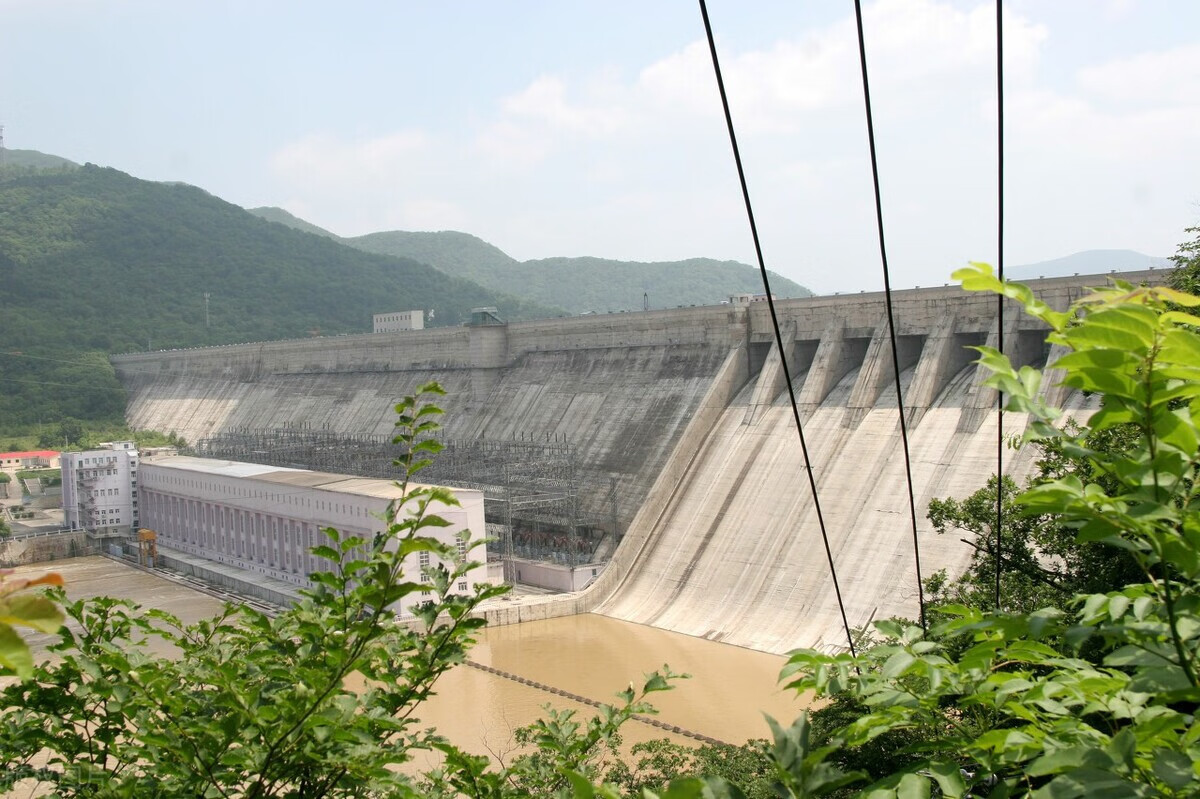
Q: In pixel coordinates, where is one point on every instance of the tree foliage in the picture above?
(20, 607)
(1186, 275)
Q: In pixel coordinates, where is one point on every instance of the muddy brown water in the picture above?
(590, 656)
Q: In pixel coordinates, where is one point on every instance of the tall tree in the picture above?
(1186, 275)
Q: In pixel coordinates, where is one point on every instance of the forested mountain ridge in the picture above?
(32, 159)
(451, 251)
(577, 284)
(272, 214)
(94, 261)
(580, 284)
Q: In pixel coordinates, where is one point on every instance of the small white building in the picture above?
(100, 488)
(38, 459)
(748, 299)
(266, 519)
(399, 320)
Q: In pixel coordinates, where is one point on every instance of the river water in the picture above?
(595, 657)
(591, 656)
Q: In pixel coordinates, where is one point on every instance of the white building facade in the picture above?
(100, 489)
(266, 519)
(398, 320)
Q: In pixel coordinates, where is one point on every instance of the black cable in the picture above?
(887, 294)
(1000, 274)
(762, 268)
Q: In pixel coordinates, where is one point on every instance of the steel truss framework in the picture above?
(531, 487)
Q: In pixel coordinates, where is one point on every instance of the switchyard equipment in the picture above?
(531, 487)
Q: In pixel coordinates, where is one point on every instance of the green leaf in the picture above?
(897, 664)
(1173, 768)
(581, 786)
(15, 657)
(949, 778)
(31, 610)
(912, 786)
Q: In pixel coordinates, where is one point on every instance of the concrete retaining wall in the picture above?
(246, 585)
(36, 549)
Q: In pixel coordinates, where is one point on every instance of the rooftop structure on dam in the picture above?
(688, 471)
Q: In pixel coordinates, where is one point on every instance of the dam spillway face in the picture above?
(684, 437)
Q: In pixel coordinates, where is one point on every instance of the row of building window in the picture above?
(232, 534)
(288, 498)
(97, 461)
(273, 541)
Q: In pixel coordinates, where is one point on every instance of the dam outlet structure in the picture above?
(684, 462)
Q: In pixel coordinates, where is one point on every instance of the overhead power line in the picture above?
(762, 268)
(887, 295)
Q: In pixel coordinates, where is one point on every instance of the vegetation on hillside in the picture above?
(272, 214)
(454, 253)
(93, 261)
(32, 159)
(603, 285)
(581, 284)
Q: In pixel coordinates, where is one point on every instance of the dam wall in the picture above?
(620, 388)
(685, 434)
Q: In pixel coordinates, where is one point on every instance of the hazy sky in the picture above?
(594, 128)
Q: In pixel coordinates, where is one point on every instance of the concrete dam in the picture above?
(683, 438)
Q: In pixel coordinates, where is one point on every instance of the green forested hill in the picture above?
(32, 159)
(599, 284)
(577, 284)
(580, 284)
(272, 214)
(94, 261)
(455, 253)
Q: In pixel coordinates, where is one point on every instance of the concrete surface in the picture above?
(684, 410)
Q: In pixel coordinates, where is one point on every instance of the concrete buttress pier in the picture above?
(684, 430)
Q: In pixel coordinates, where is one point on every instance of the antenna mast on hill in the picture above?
(2, 145)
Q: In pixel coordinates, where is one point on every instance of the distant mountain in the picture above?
(599, 284)
(32, 159)
(94, 261)
(1089, 262)
(459, 254)
(272, 214)
(580, 284)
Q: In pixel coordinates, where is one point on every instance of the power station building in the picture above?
(100, 488)
(266, 519)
